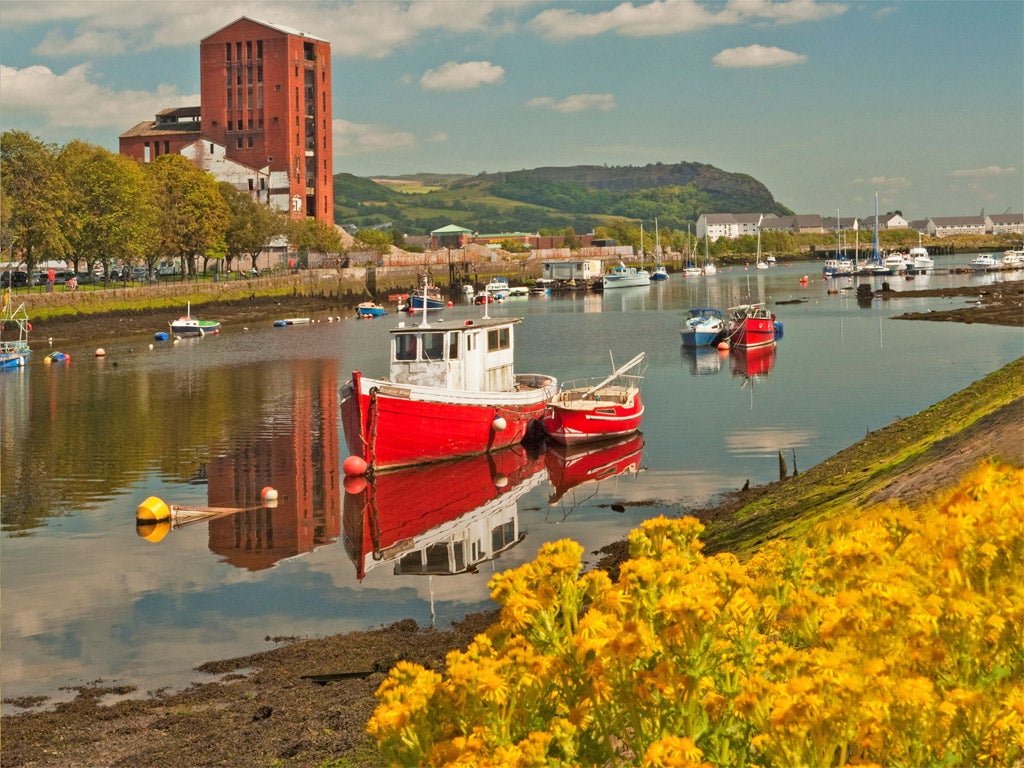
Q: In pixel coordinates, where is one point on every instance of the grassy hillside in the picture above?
(580, 197)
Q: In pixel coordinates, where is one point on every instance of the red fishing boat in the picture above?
(452, 392)
(569, 467)
(584, 411)
(751, 325)
(439, 519)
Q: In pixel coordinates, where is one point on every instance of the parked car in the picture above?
(13, 279)
(140, 273)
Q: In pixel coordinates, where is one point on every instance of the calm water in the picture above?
(210, 422)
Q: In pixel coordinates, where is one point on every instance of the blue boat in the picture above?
(704, 327)
(659, 273)
(369, 309)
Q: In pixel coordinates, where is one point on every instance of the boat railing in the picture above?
(577, 389)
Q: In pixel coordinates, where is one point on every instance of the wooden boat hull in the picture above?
(396, 425)
(571, 421)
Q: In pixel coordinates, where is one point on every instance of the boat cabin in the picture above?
(476, 355)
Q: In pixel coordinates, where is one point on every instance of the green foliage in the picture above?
(36, 198)
(193, 216)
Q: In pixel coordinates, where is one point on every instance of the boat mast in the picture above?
(877, 260)
(424, 323)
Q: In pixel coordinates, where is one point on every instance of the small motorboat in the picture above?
(483, 298)
(751, 325)
(704, 327)
(292, 321)
(659, 273)
(186, 325)
(369, 309)
(583, 412)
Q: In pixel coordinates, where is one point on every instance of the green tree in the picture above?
(312, 236)
(251, 225)
(35, 197)
(193, 215)
(112, 215)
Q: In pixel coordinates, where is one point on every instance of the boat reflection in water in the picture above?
(571, 466)
(704, 360)
(755, 362)
(752, 364)
(439, 519)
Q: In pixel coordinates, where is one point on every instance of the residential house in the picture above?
(1006, 223)
(948, 226)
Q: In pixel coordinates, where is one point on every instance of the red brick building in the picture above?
(266, 109)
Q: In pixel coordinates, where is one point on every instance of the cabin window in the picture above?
(453, 346)
(497, 338)
(405, 347)
(433, 346)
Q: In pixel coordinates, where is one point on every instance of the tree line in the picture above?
(85, 205)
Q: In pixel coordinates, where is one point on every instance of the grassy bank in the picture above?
(908, 460)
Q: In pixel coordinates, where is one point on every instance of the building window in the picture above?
(248, 49)
(238, 142)
(167, 147)
(145, 152)
(227, 51)
(211, 148)
(249, 142)
(231, 125)
(238, 50)
(259, 49)
(251, 186)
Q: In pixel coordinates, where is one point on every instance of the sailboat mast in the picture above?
(876, 227)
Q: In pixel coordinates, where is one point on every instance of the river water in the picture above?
(209, 423)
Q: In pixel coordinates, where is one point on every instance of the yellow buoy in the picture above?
(152, 510)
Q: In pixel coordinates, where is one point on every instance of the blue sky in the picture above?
(824, 102)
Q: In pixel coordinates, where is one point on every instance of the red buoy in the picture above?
(354, 466)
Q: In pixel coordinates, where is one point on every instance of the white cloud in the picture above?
(990, 170)
(89, 43)
(453, 76)
(72, 100)
(579, 102)
(757, 57)
(371, 30)
(670, 17)
(362, 138)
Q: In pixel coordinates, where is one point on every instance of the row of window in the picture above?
(238, 50)
(430, 345)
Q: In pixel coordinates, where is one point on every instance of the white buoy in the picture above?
(499, 424)
(101, 352)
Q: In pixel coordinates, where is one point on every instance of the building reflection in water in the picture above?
(439, 519)
(298, 455)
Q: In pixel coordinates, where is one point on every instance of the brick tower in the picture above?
(266, 97)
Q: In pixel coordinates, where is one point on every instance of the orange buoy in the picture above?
(268, 494)
(723, 345)
(354, 466)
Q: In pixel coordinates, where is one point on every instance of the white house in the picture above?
(1006, 223)
(948, 226)
(263, 185)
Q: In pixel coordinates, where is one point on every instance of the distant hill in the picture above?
(581, 197)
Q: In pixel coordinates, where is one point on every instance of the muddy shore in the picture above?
(306, 702)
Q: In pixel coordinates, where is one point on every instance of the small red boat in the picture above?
(582, 412)
(569, 467)
(750, 325)
(452, 392)
(440, 519)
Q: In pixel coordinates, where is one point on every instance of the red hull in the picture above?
(384, 518)
(395, 431)
(603, 421)
(751, 326)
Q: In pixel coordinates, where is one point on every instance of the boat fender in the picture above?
(161, 336)
(469, 322)
(499, 424)
(101, 352)
(354, 466)
(280, 323)
(500, 481)
(268, 494)
(723, 345)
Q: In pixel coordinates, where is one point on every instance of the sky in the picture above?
(823, 102)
